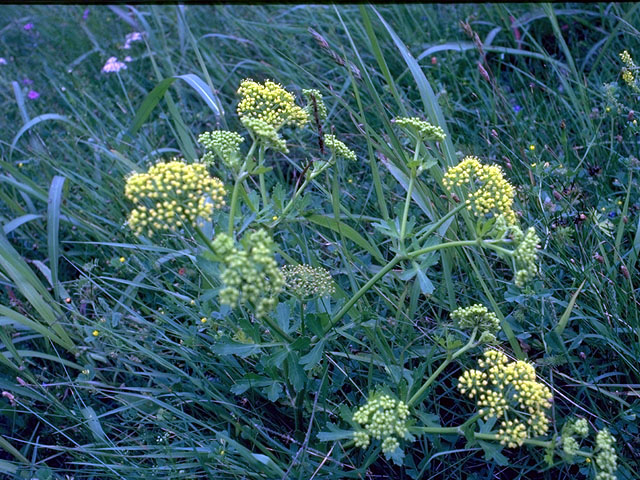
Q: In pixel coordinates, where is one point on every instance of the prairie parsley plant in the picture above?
(509, 392)
(170, 195)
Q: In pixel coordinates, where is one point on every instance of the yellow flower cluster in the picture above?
(508, 391)
(488, 191)
(170, 195)
(265, 132)
(628, 71)
(476, 316)
(421, 129)
(314, 99)
(339, 148)
(305, 281)
(382, 418)
(271, 103)
(222, 144)
(250, 274)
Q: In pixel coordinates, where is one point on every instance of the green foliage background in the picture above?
(158, 394)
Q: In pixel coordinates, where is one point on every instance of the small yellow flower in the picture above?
(608, 109)
(350, 180)
(588, 460)
(532, 147)
(192, 302)
(533, 165)
(274, 218)
(95, 333)
(203, 320)
(122, 259)
(20, 165)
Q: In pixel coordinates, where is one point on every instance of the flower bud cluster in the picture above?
(224, 145)
(338, 148)
(526, 255)
(382, 418)
(170, 195)
(421, 129)
(606, 457)
(251, 274)
(270, 103)
(488, 191)
(314, 97)
(476, 316)
(579, 427)
(508, 391)
(305, 281)
(265, 132)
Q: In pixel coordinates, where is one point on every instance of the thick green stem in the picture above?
(295, 196)
(276, 328)
(263, 185)
(440, 222)
(432, 248)
(470, 344)
(347, 306)
(205, 240)
(234, 202)
(407, 203)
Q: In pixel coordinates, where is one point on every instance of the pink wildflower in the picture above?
(113, 65)
(130, 38)
(128, 59)
(33, 94)
(28, 26)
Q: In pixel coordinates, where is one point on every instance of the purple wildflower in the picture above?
(85, 14)
(3, 61)
(28, 26)
(517, 108)
(113, 65)
(33, 94)
(27, 81)
(128, 59)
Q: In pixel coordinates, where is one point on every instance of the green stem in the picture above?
(263, 186)
(276, 328)
(439, 223)
(347, 306)
(234, 201)
(407, 203)
(470, 344)
(458, 243)
(295, 196)
(205, 240)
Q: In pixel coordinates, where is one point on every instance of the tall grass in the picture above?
(156, 393)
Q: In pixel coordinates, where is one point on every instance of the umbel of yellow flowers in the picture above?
(487, 191)
(170, 195)
(270, 103)
(509, 392)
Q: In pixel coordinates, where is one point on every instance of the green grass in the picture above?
(158, 394)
